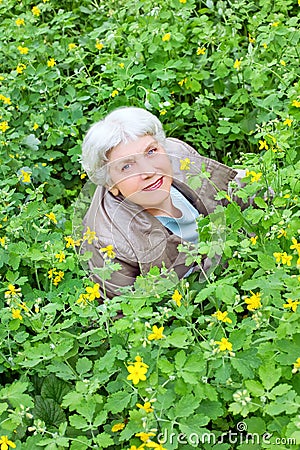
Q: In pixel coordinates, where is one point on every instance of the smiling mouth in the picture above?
(154, 186)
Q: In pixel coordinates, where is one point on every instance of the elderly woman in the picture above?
(142, 205)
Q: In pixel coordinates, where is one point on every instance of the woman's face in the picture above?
(142, 172)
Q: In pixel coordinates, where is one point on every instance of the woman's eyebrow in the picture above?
(150, 145)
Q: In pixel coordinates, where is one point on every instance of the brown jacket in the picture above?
(140, 241)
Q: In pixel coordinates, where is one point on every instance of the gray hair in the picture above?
(121, 126)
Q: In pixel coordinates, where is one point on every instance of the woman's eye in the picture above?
(152, 151)
(126, 167)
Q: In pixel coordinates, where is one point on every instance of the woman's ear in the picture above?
(114, 191)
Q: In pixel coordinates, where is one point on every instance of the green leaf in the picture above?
(14, 394)
(165, 366)
(48, 410)
(269, 375)
(118, 401)
(260, 202)
(3, 407)
(104, 440)
(280, 390)
(78, 422)
(226, 293)
(211, 409)
(54, 388)
(83, 366)
(180, 359)
(254, 387)
(180, 337)
(81, 443)
(204, 294)
(185, 406)
(255, 425)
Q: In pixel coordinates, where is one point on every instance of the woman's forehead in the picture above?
(131, 148)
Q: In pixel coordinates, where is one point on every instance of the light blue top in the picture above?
(185, 226)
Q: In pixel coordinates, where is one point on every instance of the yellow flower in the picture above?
(151, 444)
(275, 24)
(70, 242)
(157, 333)
(182, 82)
(117, 427)
(253, 302)
(201, 50)
(255, 176)
(26, 176)
(35, 126)
(4, 126)
(137, 372)
(185, 164)
(5, 443)
(16, 313)
(99, 45)
(297, 363)
(83, 299)
(182, 1)
(296, 103)
(122, 65)
(224, 345)
(71, 46)
(36, 11)
(23, 306)
(93, 292)
(109, 251)
(253, 239)
(277, 256)
(147, 407)
(89, 235)
(291, 304)
(20, 68)
(237, 64)
(52, 217)
(263, 144)
(82, 176)
(60, 256)
(286, 259)
(114, 93)
(177, 298)
(222, 316)
(2, 241)
(251, 39)
(51, 62)
(6, 100)
(162, 112)
(58, 277)
(166, 37)
(282, 232)
(23, 50)
(265, 45)
(12, 291)
(144, 437)
(282, 62)
(20, 22)
(296, 245)
(288, 122)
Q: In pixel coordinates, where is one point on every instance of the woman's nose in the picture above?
(146, 169)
